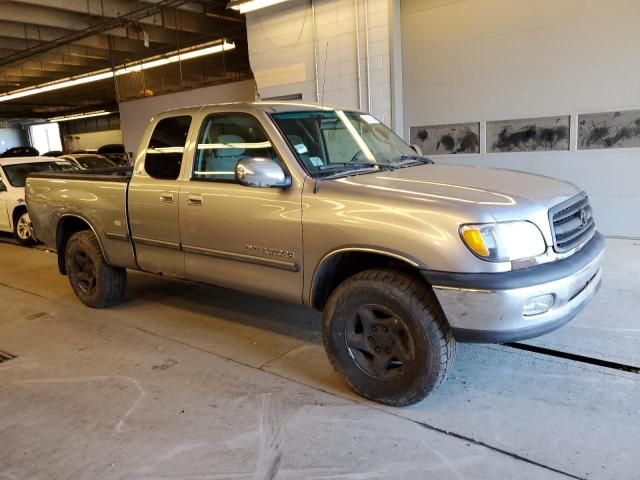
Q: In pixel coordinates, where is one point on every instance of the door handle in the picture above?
(166, 197)
(194, 199)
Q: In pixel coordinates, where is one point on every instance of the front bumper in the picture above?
(487, 307)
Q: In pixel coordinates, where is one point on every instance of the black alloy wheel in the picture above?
(379, 341)
(85, 272)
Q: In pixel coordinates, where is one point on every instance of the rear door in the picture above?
(154, 198)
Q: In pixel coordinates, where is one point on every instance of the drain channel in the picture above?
(5, 356)
(574, 357)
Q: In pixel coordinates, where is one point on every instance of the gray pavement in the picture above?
(189, 381)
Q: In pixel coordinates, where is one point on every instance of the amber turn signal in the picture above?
(473, 239)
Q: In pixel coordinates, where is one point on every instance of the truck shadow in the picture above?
(202, 305)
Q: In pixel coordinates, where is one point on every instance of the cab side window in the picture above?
(226, 138)
(164, 152)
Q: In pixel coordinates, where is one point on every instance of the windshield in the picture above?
(330, 142)
(17, 174)
(89, 162)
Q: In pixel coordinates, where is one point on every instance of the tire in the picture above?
(22, 229)
(386, 334)
(96, 283)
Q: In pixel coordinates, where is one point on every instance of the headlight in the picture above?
(503, 242)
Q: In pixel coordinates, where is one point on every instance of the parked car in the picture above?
(13, 210)
(88, 161)
(20, 152)
(331, 209)
(53, 153)
(89, 150)
(115, 152)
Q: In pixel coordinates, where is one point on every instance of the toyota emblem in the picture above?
(585, 216)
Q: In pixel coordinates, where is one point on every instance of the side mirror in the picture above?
(3, 188)
(261, 172)
(417, 149)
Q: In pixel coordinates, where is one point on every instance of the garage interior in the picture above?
(185, 380)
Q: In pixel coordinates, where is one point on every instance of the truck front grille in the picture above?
(571, 223)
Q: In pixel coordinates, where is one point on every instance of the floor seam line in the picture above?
(23, 291)
(479, 443)
(282, 355)
(200, 349)
(490, 447)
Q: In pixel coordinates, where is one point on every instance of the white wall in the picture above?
(283, 57)
(281, 49)
(479, 60)
(12, 137)
(135, 115)
(91, 140)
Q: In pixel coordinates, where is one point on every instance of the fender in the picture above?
(61, 264)
(19, 203)
(328, 257)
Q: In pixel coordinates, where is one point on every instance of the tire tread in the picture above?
(423, 296)
(112, 280)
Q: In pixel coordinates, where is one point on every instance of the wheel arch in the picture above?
(18, 208)
(68, 225)
(340, 264)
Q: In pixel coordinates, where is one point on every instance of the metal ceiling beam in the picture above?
(44, 16)
(37, 76)
(90, 50)
(110, 25)
(31, 34)
(171, 18)
(46, 40)
(193, 7)
(60, 68)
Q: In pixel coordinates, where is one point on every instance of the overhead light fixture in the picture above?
(177, 56)
(78, 116)
(144, 64)
(244, 6)
(47, 87)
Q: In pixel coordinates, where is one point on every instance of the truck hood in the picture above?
(495, 191)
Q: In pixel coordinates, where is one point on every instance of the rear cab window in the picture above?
(166, 146)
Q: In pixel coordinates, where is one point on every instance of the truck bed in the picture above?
(96, 197)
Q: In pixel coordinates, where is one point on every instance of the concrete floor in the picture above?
(196, 382)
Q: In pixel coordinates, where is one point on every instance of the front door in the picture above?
(154, 196)
(247, 238)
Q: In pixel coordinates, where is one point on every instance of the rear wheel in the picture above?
(22, 229)
(96, 283)
(385, 333)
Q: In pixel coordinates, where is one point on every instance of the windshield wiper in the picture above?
(334, 171)
(338, 168)
(363, 167)
(350, 171)
(408, 159)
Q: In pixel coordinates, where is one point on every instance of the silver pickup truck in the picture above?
(330, 209)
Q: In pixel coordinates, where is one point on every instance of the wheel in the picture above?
(385, 333)
(96, 283)
(23, 230)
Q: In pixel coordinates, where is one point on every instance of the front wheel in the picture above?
(385, 333)
(23, 230)
(96, 283)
